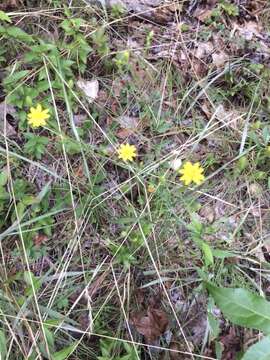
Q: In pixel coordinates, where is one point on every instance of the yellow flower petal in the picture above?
(192, 173)
(37, 117)
(127, 152)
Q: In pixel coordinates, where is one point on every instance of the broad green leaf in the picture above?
(259, 351)
(3, 345)
(4, 17)
(242, 307)
(64, 353)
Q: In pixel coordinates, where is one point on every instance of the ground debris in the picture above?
(11, 113)
(10, 4)
(151, 325)
(89, 88)
(231, 343)
(232, 117)
(156, 10)
(39, 239)
(249, 30)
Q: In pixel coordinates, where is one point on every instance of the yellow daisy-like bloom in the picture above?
(37, 117)
(127, 152)
(192, 173)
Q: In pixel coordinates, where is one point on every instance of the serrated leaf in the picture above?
(259, 351)
(64, 353)
(242, 307)
(15, 77)
(4, 17)
(19, 34)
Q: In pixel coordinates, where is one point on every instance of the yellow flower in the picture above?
(191, 173)
(37, 117)
(127, 152)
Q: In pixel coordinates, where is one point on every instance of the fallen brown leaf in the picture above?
(202, 14)
(128, 122)
(152, 325)
(207, 212)
(11, 111)
(79, 171)
(124, 133)
(199, 68)
(231, 343)
(128, 125)
(40, 239)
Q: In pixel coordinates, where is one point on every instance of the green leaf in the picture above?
(19, 34)
(242, 307)
(213, 325)
(36, 145)
(18, 215)
(49, 337)
(3, 345)
(259, 351)
(218, 349)
(4, 195)
(30, 278)
(266, 134)
(222, 254)
(4, 17)
(3, 178)
(207, 252)
(242, 163)
(15, 77)
(64, 353)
